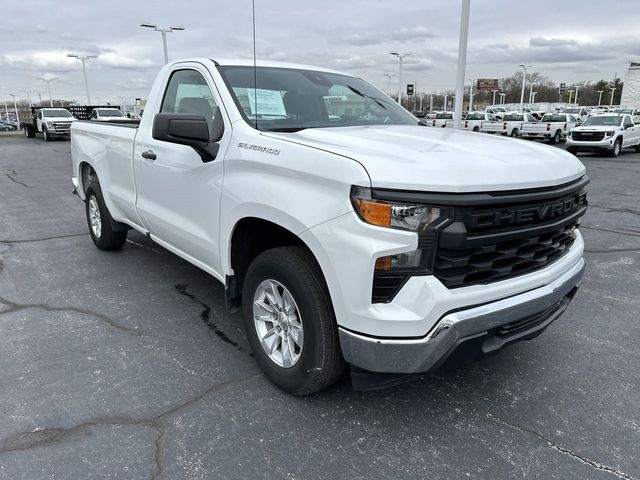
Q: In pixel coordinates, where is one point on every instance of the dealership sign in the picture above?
(487, 84)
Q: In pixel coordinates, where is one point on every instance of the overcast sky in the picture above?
(569, 40)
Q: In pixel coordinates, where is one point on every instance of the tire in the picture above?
(556, 138)
(29, 132)
(45, 135)
(476, 129)
(617, 148)
(637, 148)
(514, 133)
(100, 227)
(319, 362)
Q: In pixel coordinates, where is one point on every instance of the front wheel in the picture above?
(45, 135)
(556, 138)
(617, 148)
(514, 133)
(289, 321)
(100, 221)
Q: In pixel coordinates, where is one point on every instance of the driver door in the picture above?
(178, 193)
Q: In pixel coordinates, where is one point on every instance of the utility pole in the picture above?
(493, 102)
(575, 99)
(389, 75)
(400, 57)
(164, 32)
(600, 92)
(462, 61)
(524, 80)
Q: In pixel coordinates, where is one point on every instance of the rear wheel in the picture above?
(556, 138)
(289, 321)
(637, 148)
(514, 133)
(476, 129)
(617, 148)
(100, 221)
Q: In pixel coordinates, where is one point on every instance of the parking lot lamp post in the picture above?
(83, 59)
(502, 96)
(48, 82)
(524, 81)
(531, 84)
(570, 95)
(15, 107)
(430, 102)
(600, 92)
(28, 97)
(575, 99)
(400, 57)
(462, 61)
(444, 104)
(164, 32)
(471, 80)
(389, 75)
(613, 90)
(533, 98)
(6, 112)
(494, 97)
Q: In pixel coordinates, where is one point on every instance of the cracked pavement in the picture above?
(127, 364)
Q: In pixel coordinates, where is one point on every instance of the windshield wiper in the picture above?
(364, 95)
(285, 129)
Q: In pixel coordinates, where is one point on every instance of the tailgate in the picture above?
(534, 127)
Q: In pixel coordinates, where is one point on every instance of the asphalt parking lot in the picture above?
(127, 365)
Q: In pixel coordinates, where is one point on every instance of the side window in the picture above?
(188, 92)
(39, 114)
(627, 121)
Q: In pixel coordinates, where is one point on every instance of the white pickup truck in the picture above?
(364, 239)
(553, 127)
(51, 122)
(474, 120)
(510, 125)
(443, 119)
(605, 133)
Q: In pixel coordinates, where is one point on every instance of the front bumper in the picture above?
(603, 145)
(491, 326)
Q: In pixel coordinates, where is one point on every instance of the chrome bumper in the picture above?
(494, 325)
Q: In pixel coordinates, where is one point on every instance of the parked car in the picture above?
(605, 133)
(497, 112)
(7, 127)
(107, 114)
(442, 119)
(553, 127)
(377, 242)
(579, 112)
(510, 125)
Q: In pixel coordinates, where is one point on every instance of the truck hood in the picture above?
(595, 128)
(58, 119)
(440, 159)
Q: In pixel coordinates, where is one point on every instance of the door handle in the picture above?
(149, 155)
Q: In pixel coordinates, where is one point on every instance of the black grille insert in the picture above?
(587, 136)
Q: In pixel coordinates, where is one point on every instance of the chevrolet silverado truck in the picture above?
(608, 133)
(51, 122)
(365, 240)
(553, 127)
(510, 125)
(474, 120)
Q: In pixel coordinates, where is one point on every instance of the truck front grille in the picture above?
(62, 127)
(587, 136)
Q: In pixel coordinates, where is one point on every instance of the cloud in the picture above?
(402, 35)
(550, 42)
(134, 84)
(40, 28)
(49, 77)
(114, 60)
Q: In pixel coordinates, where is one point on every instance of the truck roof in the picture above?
(248, 62)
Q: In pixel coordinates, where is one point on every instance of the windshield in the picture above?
(111, 112)
(475, 116)
(610, 120)
(625, 110)
(56, 112)
(554, 118)
(444, 116)
(571, 110)
(288, 99)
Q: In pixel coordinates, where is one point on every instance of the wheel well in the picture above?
(252, 236)
(87, 175)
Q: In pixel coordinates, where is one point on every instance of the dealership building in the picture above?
(631, 87)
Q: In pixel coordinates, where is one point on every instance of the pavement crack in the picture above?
(612, 250)
(43, 239)
(13, 173)
(563, 450)
(16, 307)
(628, 233)
(614, 209)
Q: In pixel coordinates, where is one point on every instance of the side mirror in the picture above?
(190, 130)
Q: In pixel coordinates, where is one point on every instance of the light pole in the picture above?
(465, 12)
(83, 59)
(524, 80)
(124, 104)
(444, 106)
(430, 102)
(575, 99)
(502, 95)
(493, 102)
(533, 99)
(389, 75)
(164, 32)
(6, 112)
(400, 57)
(531, 84)
(570, 95)
(28, 97)
(15, 107)
(613, 90)
(471, 80)
(48, 82)
(600, 92)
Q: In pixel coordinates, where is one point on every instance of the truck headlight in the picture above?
(415, 218)
(609, 134)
